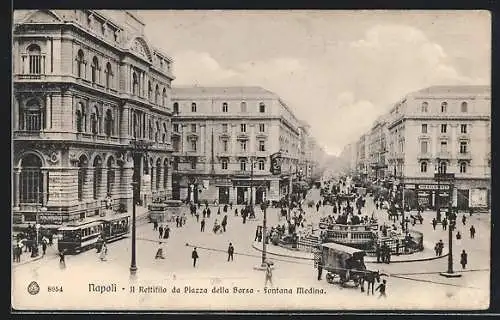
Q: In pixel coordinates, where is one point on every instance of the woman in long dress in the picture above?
(104, 252)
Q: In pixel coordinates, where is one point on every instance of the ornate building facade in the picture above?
(222, 139)
(88, 88)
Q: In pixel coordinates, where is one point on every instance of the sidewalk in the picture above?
(25, 258)
(426, 255)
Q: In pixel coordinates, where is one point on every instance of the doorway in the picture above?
(223, 195)
(241, 195)
(462, 199)
(259, 195)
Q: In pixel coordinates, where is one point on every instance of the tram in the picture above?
(84, 235)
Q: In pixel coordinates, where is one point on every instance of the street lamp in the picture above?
(437, 172)
(133, 265)
(37, 229)
(451, 226)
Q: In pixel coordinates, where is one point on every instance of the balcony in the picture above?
(35, 76)
(242, 136)
(443, 155)
(464, 156)
(242, 173)
(424, 155)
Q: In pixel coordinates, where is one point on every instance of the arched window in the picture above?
(224, 107)
(164, 134)
(146, 165)
(150, 91)
(193, 107)
(463, 167)
(243, 165)
(31, 116)
(165, 173)
(81, 118)
(80, 64)
(31, 180)
(423, 167)
(425, 107)
(109, 75)
(158, 173)
(150, 131)
(463, 107)
(176, 108)
(97, 177)
(442, 167)
(135, 84)
(262, 107)
(157, 131)
(35, 59)
(111, 175)
(444, 106)
(261, 164)
(157, 95)
(94, 121)
(152, 172)
(243, 107)
(82, 175)
(135, 131)
(223, 164)
(164, 97)
(95, 70)
(108, 123)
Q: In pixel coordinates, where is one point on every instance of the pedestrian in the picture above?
(381, 288)
(177, 221)
(44, 246)
(159, 252)
(51, 239)
(197, 216)
(464, 219)
(377, 252)
(244, 215)
(204, 212)
(104, 252)
(166, 232)
(231, 205)
(208, 212)
(256, 233)
(472, 232)
(436, 249)
(320, 268)
(225, 208)
(160, 232)
(224, 223)
(62, 262)
(155, 225)
(397, 247)
(444, 223)
(194, 256)
(269, 274)
(218, 210)
(459, 236)
(235, 212)
(230, 252)
(434, 223)
(441, 247)
(463, 259)
(19, 252)
(202, 225)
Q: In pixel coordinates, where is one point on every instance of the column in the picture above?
(116, 183)
(15, 113)
(232, 194)
(45, 175)
(46, 124)
(168, 191)
(88, 184)
(162, 178)
(153, 179)
(126, 180)
(17, 173)
(103, 188)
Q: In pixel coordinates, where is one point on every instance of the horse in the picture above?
(370, 277)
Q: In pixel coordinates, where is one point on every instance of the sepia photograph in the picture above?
(250, 160)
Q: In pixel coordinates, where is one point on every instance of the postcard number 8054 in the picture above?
(55, 289)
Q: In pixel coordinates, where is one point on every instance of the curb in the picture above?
(367, 261)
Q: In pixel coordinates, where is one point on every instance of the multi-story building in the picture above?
(361, 157)
(348, 158)
(222, 139)
(377, 146)
(443, 129)
(305, 167)
(88, 89)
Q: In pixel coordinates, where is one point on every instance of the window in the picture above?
(80, 64)
(463, 147)
(243, 146)
(135, 84)
(261, 164)
(95, 70)
(150, 91)
(224, 127)
(444, 106)
(425, 107)
(35, 59)
(108, 123)
(243, 107)
(164, 98)
(31, 116)
(262, 107)
(94, 121)
(176, 127)
(424, 146)
(82, 173)
(110, 175)
(243, 127)
(157, 131)
(442, 167)
(79, 120)
(193, 127)
(463, 107)
(262, 127)
(224, 107)
(463, 167)
(165, 173)
(157, 95)
(193, 107)
(224, 145)
(193, 145)
(262, 145)
(176, 108)
(164, 135)
(30, 180)
(424, 128)
(463, 128)
(158, 174)
(109, 75)
(243, 165)
(193, 163)
(443, 128)
(423, 166)
(444, 146)
(97, 177)
(223, 164)
(150, 130)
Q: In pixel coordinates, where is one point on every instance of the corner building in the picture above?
(219, 132)
(87, 84)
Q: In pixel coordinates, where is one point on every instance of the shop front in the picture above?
(428, 196)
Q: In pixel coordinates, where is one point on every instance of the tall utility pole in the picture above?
(451, 226)
(290, 193)
(437, 197)
(133, 265)
(251, 184)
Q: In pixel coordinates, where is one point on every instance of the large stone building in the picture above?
(442, 129)
(377, 149)
(219, 132)
(89, 90)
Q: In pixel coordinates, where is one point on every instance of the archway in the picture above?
(31, 188)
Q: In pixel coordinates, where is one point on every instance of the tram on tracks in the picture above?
(83, 235)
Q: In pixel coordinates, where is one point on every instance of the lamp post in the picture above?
(264, 234)
(133, 265)
(436, 200)
(252, 163)
(451, 226)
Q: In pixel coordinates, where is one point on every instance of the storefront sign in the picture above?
(247, 183)
(433, 187)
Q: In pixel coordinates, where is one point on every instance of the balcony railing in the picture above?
(443, 155)
(464, 155)
(424, 155)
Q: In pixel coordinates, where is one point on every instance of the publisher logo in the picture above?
(33, 288)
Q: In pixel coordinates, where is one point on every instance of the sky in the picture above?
(337, 70)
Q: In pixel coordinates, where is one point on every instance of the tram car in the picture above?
(83, 235)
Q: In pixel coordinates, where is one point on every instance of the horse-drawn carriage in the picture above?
(345, 265)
